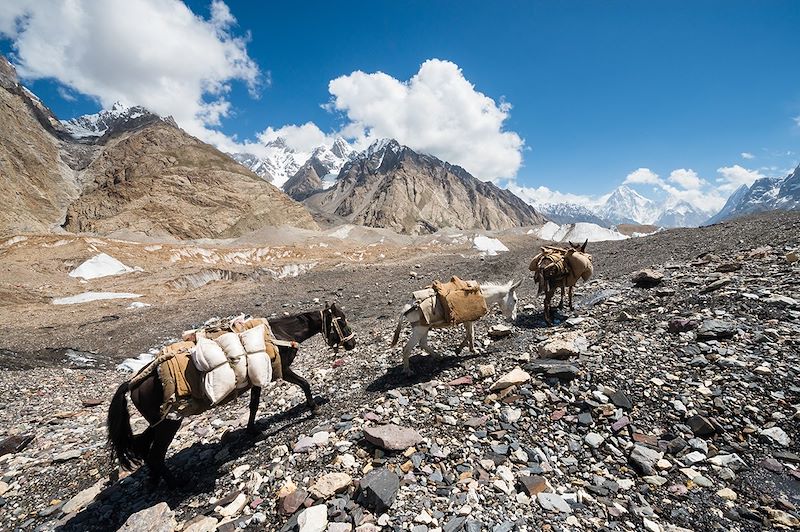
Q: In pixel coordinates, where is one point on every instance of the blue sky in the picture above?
(597, 89)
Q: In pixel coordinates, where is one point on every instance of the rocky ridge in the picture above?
(389, 185)
(667, 407)
(123, 171)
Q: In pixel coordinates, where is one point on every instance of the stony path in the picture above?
(664, 408)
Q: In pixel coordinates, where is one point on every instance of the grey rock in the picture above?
(378, 489)
(716, 329)
(158, 518)
(392, 437)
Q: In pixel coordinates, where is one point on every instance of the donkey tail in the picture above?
(121, 441)
(399, 327)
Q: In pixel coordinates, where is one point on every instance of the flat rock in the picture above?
(378, 489)
(716, 329)
(645, 459)
(777, 435)
(553, 502)
(647, 278)
(330, 484)
(534, 484)
(680, 325)
(621, 400)
(392, 437)
(158, 518)
(83, 498)
(701, 426)
(500, 331)
(564, 347)
(313, 519)
(553, 368)
(201, 523)
(294, 500)
(514, 377)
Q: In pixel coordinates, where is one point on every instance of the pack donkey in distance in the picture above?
(556, 267)
(502, 295)
(147, 394)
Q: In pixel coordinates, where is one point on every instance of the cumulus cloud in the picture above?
(155, 53)
(543, 195)
(437, 111)
(797, 120)
(303, 138)
(642, 176)
(747, 155)
(732, 177)
(688, 179)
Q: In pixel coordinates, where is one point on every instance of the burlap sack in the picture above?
(462, 300)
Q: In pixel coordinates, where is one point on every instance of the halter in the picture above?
(336, 327)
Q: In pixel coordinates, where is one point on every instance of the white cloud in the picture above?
(732, 177)
(543, 195)
(688, 179)
(797, 120)
(437, 111)
(747, 155)
(155, 53)
(642, 176)
(302, 138)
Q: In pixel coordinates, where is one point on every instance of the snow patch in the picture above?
(488, 246)
(342, 232)
(291, 270)
(138, 304)
(101, 265)
(85, 297)
(133, 365)
(577, 232)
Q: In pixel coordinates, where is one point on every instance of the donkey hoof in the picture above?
(252, 430)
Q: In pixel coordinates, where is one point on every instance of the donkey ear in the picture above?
(515, 285)
(327, 305)
(583, 247)
(571, 244)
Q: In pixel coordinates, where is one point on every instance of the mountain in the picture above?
(392, 186)
(123, 170)
(36, 183)
(681, 214)
(109, 122)
(278, 162)
(625, 205)
(570, 213)
(765, 194)
(320, 170)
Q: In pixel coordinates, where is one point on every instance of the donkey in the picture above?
(503, 295)
(151, 446)
(560, 268)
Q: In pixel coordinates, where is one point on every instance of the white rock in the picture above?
(553, 502)
(777, 435)
(313, 519)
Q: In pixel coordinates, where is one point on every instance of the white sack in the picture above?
(231, 344)
(259, 369)
(207, 355)
(219, 383)
(253, 339)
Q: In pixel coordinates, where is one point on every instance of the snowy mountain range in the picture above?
(626, 206)
(764, 194)
(280, 162)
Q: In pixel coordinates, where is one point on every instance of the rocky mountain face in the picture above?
(161, 181)
(123, 170)
(765, 194)
(36, 183)
(389, 185)
(320, 170)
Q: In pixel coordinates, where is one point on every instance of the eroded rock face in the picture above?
(392, 186)
(160, 181)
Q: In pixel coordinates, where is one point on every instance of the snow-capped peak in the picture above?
(97, 124)
(625, 205)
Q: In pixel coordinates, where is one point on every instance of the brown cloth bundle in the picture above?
(462, 300)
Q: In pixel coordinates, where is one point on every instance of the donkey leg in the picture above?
(570, 298)
(470, 327)
(547, 311)
(423, 343)
(255, 397)
(163, 433)
(294, 378)
(561, 303)
(418, 333)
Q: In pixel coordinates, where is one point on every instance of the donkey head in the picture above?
(508, 304)
(338, 330)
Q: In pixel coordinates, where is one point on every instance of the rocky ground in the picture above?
(666, 406)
